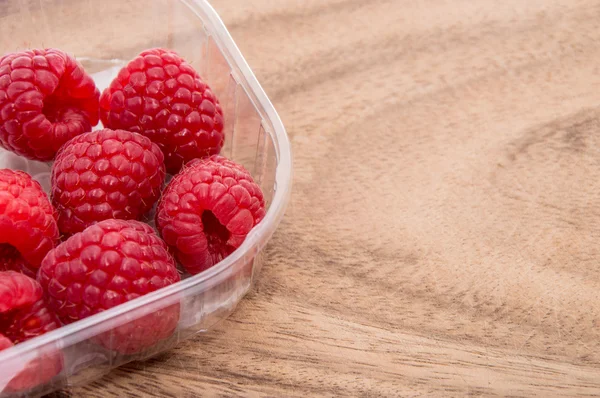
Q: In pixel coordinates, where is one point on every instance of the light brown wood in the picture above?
(443, 234)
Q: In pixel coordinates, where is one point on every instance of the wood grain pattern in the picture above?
(442, 238)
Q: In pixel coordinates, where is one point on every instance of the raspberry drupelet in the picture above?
(5, 342)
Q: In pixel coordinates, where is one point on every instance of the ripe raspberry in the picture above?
(207, 210)
(107, 264)
(28, 322)
(36, 372)
(46, 98)
(28, 228)
(105, 174)
(17, 291)
(161, 96)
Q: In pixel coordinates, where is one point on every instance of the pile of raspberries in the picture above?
(86, 248)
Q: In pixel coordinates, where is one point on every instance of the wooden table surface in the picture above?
(443, 234)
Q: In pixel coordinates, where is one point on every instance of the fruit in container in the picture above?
(161, 96)
(46, 98)
(159, 117)
(207, 210)
(110, 263)
(28, 228)
(105, 174)
(24, 314)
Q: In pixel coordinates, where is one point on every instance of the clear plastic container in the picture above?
(103, 35)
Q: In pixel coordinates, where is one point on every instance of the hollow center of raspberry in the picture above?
(53, 109)
(216, 233)
(57, 111)
(8, 254)
(12, 260)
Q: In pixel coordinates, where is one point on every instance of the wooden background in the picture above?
(443, 235)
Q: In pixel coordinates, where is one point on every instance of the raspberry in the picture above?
(161, 96)
(37, 372)
(28, 228)
(207, 210)
(107, 264)
(105, 174)
(46, 98)
(17, 290)
(29, 320)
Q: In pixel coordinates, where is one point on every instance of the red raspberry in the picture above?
(107, 264)
(46, 98)
(28, 322)
(17, 290)
(161, 96)
(36, 372)
(28, 227)
(105, 174)
(207, 210)
(28, 318)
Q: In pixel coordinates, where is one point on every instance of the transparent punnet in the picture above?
(103, 35)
